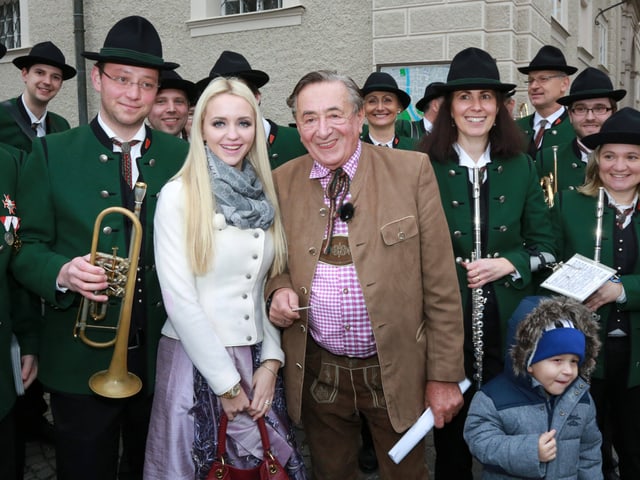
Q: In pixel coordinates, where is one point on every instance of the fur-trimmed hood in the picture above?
(531, 328)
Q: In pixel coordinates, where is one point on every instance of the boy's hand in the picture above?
(547, 446)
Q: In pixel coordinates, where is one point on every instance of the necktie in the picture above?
(621, 215)
(541, 128)
(126, 158)
(34, 127)
(337, 190)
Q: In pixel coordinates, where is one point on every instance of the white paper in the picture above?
(418, 431)
(16, 364)
(578, 277)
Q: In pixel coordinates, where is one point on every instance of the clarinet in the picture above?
(599, 214)
(477, 295)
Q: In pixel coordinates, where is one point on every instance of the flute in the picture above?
(599, 214)
(477, 295)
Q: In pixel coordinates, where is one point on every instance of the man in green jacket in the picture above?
(548, 80)
(590, 102)
(25, 117)
(67, 180)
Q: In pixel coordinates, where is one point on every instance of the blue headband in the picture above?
(559, 341)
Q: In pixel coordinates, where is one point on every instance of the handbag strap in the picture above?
(222, 436)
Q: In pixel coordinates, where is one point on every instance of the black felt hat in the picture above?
(430, 92)
(3, 50)
(171, 79)
(591, 83)
(132, 41)
(232, 64)
(474, 69)
(621, 127)
(48, 54)
(383, 82)
(548, 58)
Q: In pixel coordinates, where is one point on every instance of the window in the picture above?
(213, 17)
(232, 7)
(603, 40)
(10, 23)
(558, 11)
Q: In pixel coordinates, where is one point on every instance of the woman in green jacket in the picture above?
(475, 131)
(614, 165)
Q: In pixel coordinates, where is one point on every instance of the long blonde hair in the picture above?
(199, 198)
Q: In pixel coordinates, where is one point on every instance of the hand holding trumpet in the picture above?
(79, 275)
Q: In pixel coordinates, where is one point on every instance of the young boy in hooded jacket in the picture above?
(537, 419)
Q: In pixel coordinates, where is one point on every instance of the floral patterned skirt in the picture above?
(183, 435)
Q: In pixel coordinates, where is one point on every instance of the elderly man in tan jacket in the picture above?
(370, 305)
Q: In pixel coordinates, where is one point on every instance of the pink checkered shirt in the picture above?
(338, 318)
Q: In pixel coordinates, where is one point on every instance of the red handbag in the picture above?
(269, 469)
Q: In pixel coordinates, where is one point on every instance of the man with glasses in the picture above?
(548, 80)
(67, 180)
(370, 262)
(590, 102)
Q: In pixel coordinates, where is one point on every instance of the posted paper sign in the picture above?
(578, 277)
(418, 431)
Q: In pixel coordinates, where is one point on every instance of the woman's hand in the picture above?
(234, 406)
(607, 293)
(487, 270)
(264, 386)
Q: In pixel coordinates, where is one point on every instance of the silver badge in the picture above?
(8, 237)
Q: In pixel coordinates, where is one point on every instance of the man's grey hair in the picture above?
(320, 76)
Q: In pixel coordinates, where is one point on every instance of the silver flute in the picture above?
(477, 295)
(599, 214)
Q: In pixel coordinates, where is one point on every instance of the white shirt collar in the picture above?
(267, 128)
(33, 119)
(428, 126)
(466, 161)
(140, 135)
(550, 119)
(383, 144)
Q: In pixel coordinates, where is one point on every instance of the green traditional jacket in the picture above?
(517, 218)
(402, 143)
(12, 321)
(559, 133)
(574, 224)
(571, 168)
(12, 134)
(410, 129)
(67, 180)
(283, 144)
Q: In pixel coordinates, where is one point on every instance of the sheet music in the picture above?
(578, 277)
(418, 431)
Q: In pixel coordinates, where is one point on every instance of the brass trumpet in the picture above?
(116, 382)
(523, 110)
(549, 183)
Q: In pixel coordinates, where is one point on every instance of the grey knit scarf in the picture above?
(239, 194)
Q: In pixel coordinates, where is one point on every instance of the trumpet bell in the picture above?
(115, 384)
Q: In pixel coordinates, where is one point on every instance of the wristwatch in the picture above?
(233, 392)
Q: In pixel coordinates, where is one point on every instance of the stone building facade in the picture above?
(406, 37)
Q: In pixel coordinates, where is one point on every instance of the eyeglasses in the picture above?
(310, 122)
(542, 79)
(598, 110)
(125, 82)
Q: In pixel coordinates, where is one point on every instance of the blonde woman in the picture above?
(218, 235)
